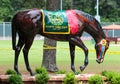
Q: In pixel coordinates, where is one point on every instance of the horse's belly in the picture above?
(57, 37)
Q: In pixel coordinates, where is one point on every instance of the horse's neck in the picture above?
(97, 35)
(92, 26)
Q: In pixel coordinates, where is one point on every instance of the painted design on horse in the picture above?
(28, 23)
(60, 22)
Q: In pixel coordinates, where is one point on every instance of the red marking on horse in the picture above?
(73, 21)
(99, 55)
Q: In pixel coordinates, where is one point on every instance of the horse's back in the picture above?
(27, 20)
(26, 15)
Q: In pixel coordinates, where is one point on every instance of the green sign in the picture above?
(55, 22)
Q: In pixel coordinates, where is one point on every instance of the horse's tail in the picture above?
(14, 31)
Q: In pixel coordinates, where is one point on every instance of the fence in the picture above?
(5, 31)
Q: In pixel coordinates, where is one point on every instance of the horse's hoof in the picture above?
(76, 73)
(82, 68)
(32, 74)
(18, 73)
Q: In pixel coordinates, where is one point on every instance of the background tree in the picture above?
(109, 9)
(9, 7)
(49, 55)
(5, 10)
(66, 4)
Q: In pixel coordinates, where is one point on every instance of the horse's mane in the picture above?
(91, 19)
(88, 16)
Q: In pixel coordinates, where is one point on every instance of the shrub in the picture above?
(10, 72)
(61, 72)
(115, 79)
(42, 76)
(40, 70)
(112, 77)
(69, 79)
(109, 75)
(96, 79)
(15, 79)
(103, 73)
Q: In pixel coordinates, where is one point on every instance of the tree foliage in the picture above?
(9, 7)
(109, 10)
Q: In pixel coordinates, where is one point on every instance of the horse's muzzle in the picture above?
(99, 61)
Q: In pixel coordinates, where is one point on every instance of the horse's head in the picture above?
(101, 49)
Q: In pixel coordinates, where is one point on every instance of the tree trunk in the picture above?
(49, 55)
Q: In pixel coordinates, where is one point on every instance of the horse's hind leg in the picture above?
(26, 48)
(72, 54)
(17, 52)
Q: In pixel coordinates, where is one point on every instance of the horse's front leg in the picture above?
(86, 58)
(77, 41)
(72, 54)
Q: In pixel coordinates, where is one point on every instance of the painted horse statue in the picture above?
(66, 25)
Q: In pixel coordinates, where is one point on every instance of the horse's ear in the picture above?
(107, 39)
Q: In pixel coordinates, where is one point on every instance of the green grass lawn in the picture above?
(111, 61)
